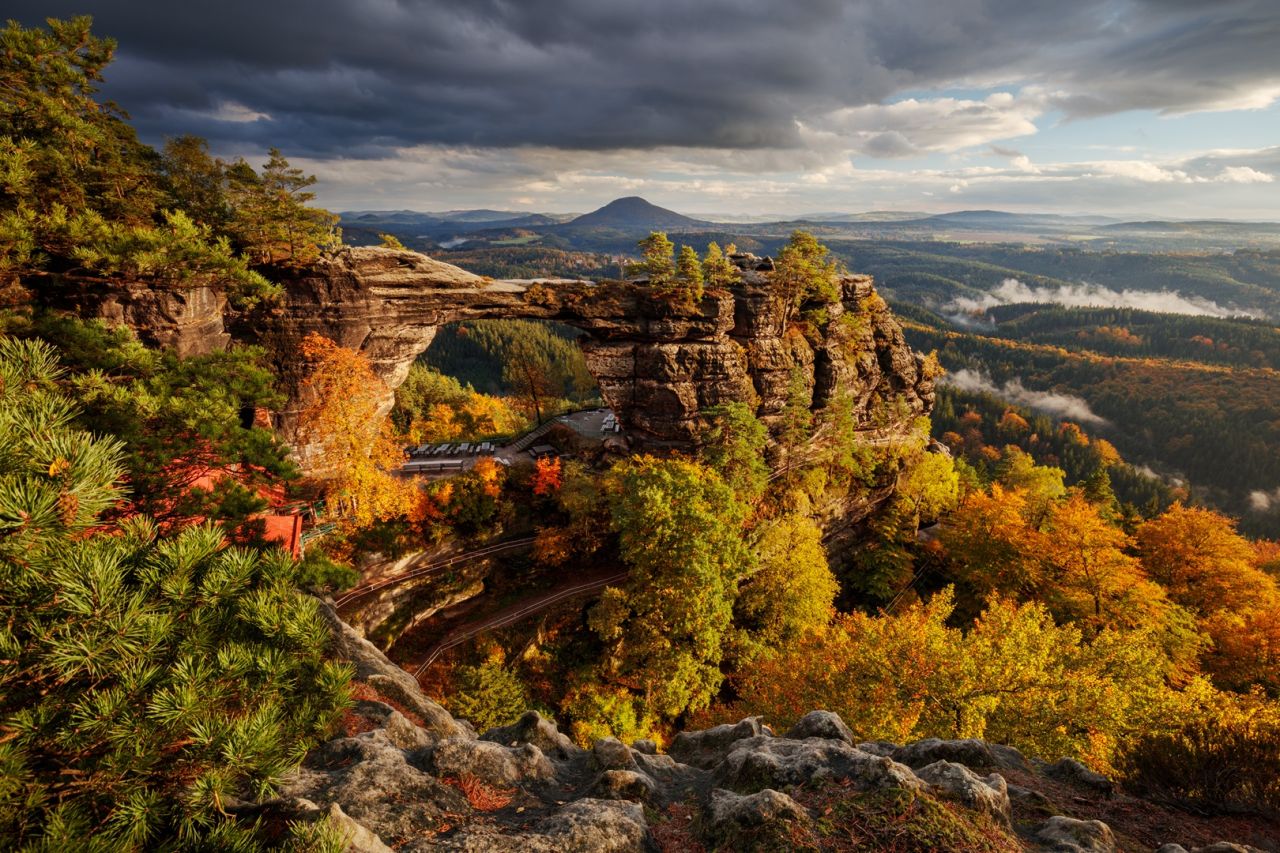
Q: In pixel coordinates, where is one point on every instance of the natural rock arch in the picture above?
(657, 366)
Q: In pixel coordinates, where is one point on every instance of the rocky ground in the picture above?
(407, 776)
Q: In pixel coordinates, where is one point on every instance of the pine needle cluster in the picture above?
(148, 684)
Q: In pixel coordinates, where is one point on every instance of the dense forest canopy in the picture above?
(164, 664)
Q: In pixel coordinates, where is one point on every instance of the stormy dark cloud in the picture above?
(363, 77)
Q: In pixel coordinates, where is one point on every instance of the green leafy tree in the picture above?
(79, 154)
(1013, 676)
(145, 681)
(887, 564)
(1041, 485)
(79, 193)
(177, 252)
(179, 419)
(847, 457)
(679, 530)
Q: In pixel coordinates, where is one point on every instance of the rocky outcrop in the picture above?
(186, 319)
(409, 777)
(659, 365)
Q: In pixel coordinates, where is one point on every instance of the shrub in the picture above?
(488, 695)
(1226, 758)
(317, 571)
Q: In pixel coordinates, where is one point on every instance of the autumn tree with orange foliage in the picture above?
(1089, 575)
(1068, 554)
(1210, 569)
(991, 545)
(547, 476)
(345, 423)
(580, 500)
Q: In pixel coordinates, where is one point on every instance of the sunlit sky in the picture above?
(1134, 108)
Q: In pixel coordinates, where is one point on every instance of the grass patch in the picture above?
(894, 820)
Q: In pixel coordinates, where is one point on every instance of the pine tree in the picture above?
(717, 269)
(733, 446)
(145, 681)
(689, 277)
(195, 181)
(528, 372)
(78, 191)
(272, 219)
(804, 270)
(658, 265)
(795, 425)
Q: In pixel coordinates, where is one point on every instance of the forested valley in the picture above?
(1082, 569)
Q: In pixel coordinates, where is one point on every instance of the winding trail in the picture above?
(514, 613)
(489, 550)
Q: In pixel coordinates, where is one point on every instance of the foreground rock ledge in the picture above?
(410, 777)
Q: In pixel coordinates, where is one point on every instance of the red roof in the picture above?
(285, 531)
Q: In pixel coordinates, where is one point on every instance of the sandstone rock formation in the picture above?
(658, 365)
(412, 778)
(190, 320)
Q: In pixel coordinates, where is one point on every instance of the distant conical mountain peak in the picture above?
(633, 212)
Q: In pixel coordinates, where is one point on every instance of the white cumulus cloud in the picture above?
(1243, 175)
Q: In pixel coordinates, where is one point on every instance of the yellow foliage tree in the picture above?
(1014, 677)
(344, 420)
(792, 589)
(439, 424)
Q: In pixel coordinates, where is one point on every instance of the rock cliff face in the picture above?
(408, 776)
(187, 319)
(658, 366)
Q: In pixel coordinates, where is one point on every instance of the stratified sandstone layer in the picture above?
(658, 366)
